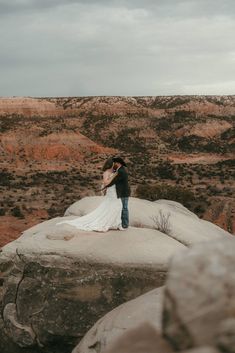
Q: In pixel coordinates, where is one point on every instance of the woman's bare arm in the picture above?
(108, 177)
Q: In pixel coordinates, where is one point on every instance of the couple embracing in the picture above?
(113, 212)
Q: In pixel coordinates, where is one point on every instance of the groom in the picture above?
(122, 188)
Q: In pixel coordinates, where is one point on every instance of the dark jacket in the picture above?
(121, 182)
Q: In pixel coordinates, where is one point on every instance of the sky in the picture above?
(117, 47)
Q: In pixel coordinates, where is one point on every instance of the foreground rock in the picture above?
(56, 282)
(143, 339)
(225, 339)
(125, 317)
(204, 349)
(183, 225)
(195, 311)
(199, 301)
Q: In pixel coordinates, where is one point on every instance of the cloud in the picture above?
(168, 8)
(59, 47)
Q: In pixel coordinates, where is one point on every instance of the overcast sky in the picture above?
(116, 47)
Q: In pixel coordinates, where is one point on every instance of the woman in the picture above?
(108, 214)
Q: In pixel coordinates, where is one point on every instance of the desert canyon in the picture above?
(52, 151)
(160, 286)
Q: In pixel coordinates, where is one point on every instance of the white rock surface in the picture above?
(146, 308)
(79, 276)
(199, 300)
(185, 226)
(204, 349)
(142, 339)
(135, 246)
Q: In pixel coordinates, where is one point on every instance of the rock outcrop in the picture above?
(199, 300)
(29, 107)
(182, 225)
(56, 281)
(194, 311)
(58, 148)
(209, 129)
(221, 212)
(126, 317)
(143, 339)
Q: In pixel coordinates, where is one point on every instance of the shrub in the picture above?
(16, 212)
(165, 191)
(5, 178)
(2, 211)
(191, 143)
(162, 223)
(165, 170)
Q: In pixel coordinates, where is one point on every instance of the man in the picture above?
(122, 188)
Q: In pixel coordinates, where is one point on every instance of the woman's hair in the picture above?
(108, 164)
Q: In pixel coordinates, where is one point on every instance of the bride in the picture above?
(108, 214)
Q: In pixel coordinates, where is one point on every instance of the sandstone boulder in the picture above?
(184, 226)
(56, 282)
(146, 308)
(200, 296)
(204, 349)
(225, 338)
(198, 304)
(142, 339)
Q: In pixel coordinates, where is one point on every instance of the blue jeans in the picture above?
(125, 212)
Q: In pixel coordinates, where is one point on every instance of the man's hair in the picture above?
(119, 160)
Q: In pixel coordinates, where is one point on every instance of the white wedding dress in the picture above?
(106, 216)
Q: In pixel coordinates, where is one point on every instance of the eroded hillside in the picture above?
(52, 150)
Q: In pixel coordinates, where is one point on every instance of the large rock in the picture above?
(204, 349)
(142, 339)
(225, 338)
(145, 339)
(56, 282)
(199, 302)
(184, 226)
(146, 308)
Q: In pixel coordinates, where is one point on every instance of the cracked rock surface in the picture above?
(56, 300)
(56, 281)
(22, 335)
